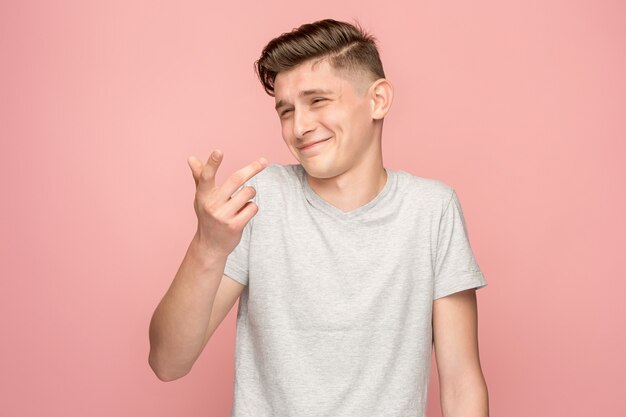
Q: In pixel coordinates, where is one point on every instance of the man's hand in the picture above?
(222, 218)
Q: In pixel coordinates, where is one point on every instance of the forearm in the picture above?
(470, 401)
(180, 321)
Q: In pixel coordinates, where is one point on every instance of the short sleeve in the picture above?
(456, 268)
(237, 263)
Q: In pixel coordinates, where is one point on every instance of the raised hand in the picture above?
(222, 218)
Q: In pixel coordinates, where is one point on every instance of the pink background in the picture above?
(518, 105)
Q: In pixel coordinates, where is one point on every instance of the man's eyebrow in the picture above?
(304, 93)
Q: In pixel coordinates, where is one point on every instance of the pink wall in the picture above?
(520, 106)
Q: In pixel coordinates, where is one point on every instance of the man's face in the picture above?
(316, 104)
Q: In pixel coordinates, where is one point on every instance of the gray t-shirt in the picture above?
(335, 319)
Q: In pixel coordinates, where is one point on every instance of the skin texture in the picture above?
(347, 170)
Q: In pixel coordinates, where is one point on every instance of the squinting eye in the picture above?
(318, 99)
(285, 112)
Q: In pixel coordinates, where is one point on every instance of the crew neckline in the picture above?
(328, 208)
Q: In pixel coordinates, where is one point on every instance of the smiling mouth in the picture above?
(313, 144)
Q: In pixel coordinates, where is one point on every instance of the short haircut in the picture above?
(349, 49)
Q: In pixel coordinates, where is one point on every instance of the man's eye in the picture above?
(285, 112)
(318, 99)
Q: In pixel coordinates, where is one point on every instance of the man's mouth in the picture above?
(313, 144)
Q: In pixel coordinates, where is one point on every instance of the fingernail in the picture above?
(216, 155)
(263, 160)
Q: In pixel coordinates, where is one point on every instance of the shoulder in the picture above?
(277, 178)
(427, 191)
(278, 173)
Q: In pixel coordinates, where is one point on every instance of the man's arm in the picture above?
(463, 391)
(195, 304)
(201, 295)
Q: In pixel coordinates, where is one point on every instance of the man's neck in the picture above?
(352, 189)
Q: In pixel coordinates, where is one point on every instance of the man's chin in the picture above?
(320, 170)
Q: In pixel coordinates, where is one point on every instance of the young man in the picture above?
(347, 271)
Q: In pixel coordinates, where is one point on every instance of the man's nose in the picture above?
(303, 123)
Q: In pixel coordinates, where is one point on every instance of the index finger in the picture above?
(240, 177)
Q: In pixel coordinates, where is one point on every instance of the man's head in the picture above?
(328, 83)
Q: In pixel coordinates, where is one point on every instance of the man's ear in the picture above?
(381, 94)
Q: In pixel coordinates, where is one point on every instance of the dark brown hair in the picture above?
(348, 47)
